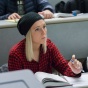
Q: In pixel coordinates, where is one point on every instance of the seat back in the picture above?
(4, 68)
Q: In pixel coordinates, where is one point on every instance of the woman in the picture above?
(38, 53)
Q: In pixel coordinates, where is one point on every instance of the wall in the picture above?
(8, 37)
(70, 38)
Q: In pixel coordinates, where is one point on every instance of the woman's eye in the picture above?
(36, 29)
(44, 26)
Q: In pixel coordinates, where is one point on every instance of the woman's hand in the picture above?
(14, 16)
(47, 14)
(75, 65)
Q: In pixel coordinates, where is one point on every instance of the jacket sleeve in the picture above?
(14, 62)
(3, 8)
(43, 5)
(3, 17)
(60, 63)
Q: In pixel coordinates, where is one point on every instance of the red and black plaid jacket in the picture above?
(52, 58)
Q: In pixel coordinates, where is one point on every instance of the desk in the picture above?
(8, 24)
(69, 35)
(62, 87)
(67, 87)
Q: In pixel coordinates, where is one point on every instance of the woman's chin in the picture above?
(43, 41)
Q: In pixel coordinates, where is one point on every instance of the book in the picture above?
(81, 82)
(62, 15)
(51, 80)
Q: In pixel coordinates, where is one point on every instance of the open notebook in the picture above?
(81, 82)
(51, 80)
(62, 15)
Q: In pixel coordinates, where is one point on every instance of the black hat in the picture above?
(25, 23)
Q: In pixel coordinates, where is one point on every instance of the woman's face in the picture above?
(39, 32)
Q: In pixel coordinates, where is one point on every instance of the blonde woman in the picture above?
(38, 53)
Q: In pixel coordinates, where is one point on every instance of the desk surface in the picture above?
(81, 81)
(7, 24)
(84, 17)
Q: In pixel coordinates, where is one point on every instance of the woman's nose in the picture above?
(43, 31)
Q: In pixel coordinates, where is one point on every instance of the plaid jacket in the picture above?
(51, 59)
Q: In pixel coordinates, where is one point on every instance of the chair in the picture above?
(4, 68)
(85, 65)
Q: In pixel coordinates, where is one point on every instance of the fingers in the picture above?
(41, 14)
(18, 16)
(77, 64)
(73, 59)
(47, 14)
(73, 56)
(14, 16)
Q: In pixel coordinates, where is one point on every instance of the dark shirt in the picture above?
(8, 7)
(72, 5)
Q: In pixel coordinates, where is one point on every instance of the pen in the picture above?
(73, 57)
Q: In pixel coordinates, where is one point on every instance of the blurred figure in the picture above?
(14, 9)
(59, 7)
(78, 5)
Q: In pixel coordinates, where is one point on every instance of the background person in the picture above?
(13, 9)
(75, 5)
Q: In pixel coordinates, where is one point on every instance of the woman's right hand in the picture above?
(75, 65)
(14, 16)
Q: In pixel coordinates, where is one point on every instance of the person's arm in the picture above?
(3, 8)
(44, 8)
(3, 17)
(60, 64)
(14, 16)
(44, 5)
(75, 65)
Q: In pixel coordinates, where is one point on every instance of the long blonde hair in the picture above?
(29, 47)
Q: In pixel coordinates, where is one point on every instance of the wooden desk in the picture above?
(70, 36)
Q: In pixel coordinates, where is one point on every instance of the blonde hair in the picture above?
(29, 47)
